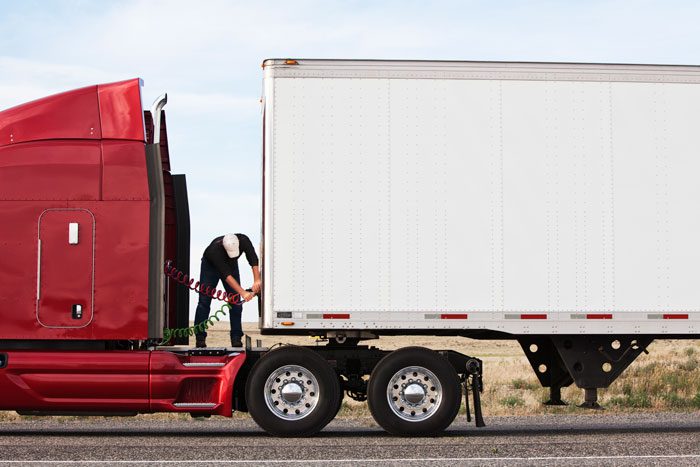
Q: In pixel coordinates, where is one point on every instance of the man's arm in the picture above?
(257, 282)
(247, 248)
(245, 295)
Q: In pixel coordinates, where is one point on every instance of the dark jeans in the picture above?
(209, 276)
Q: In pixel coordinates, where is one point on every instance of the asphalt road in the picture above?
(596, 439)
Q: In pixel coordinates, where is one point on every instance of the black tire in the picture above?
(393, 375)
(318, 401)
(341, 396)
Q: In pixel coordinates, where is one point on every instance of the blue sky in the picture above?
(207, 56)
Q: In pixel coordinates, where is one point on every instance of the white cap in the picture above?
(231, 245)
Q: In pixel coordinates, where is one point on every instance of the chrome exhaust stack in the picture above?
(156, 109)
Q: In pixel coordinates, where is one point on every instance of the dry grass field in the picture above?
(667, 379)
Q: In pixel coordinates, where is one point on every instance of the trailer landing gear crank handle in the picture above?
(473, 378)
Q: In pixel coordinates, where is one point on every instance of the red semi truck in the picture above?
(91, 214)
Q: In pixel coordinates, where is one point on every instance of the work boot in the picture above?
(236, 342)
(201, 342)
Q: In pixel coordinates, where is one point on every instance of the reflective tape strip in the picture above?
(526, 316)
(599, 316)
(336, 316)
(328, 316)
(667, 316)
(592, 316)
(446, 316)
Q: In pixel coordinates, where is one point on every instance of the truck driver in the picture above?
(220, 262)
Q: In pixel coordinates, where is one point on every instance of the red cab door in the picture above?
(66, 262)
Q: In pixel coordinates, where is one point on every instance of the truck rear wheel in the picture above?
(292, 391)
(414, 391)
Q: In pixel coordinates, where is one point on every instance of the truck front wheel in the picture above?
(414, 391)
(292, 391)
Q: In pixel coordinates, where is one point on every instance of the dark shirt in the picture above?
(216, 254)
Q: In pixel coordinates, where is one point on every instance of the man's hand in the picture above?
(257, 285)
(247, 296)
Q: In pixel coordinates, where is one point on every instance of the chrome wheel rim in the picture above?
(414, 393)
(291, 392)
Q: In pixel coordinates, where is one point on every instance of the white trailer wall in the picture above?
(399, 192)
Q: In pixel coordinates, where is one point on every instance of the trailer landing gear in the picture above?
(548, 366)
(592, 362)
(555, 397)
(590, 399)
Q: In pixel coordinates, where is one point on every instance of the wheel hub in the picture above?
(291, 392)
(414, 393)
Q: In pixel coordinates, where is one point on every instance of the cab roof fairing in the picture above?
(103, 111)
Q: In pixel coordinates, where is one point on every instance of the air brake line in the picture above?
(209, 291)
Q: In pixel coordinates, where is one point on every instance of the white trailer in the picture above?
(552, 203)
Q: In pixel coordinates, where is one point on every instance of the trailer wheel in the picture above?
(414, 391)
(292, 391)
(339, 404)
